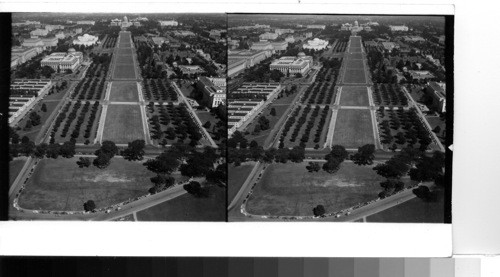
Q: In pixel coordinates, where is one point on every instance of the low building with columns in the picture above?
(292, 65)
(63, 61)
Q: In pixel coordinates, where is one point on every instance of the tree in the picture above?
(332, 165)
(196, 189)
(83, 162)
(44, 108)
(102, 160)
(40, 150)
(28, 125)
(273, 112)
(338, 152)
(53, 151)
(161, 181)
(298, 75)
(165, 163)
(319, 210)
(256, 129)
(134, 151)
(253, 144)
(89, 206)
(297, 154)
(25, 139)
(108, 148)
(437, 130)
(207, 125)
(313, 167)
(47, 71)
(67, 150)
(365, 155)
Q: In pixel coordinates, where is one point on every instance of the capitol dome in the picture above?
(301, 55)
(71, 50)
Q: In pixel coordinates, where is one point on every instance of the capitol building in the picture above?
(316, 44)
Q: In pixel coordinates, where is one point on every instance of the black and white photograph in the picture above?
(117, 117)
(339, 118)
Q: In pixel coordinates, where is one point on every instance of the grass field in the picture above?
(33, 132)
(59, 184)
(289, 189)
(124, 71)
(125, 59)
(355, 50)
(355, 41)
(124, 51)
(356, 56)
(354, 76)
(354, 96)
(124, 92)
(15, 167)
(189, 208)
(236, 177)
(413, 211)
(353, 128)
(123, 123)
(124, 37)
(354, 64)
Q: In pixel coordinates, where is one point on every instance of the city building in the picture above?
(86, 40)
(389, 45)
(398, 28)
(168, 23)
(24, 54)
(268, 36)
(63, 61)
(60, 35)
(50, 41)
(23, 92)
(267, 89)
(420, 74)
(290, 39)
(292, 65)
(191, 69)
(51, 28)
(252, 57)
(33, 42)
(316, 26)
(183, 33)
(262, 45)
(214, 90)
(284, 31)
(39, 33)
(216, 34)
(438, 93)
(279, 45)
(316, 44)
(159, 40)
(413, 38)
(239, 111)
(235, 66)
(85, 22)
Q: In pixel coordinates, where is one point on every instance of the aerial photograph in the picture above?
(338, 118)
(118, 117)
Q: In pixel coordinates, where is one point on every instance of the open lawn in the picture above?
(125, 51)
(355, 50)
(124, 92)
(189, 208)
(236, 177)
(413, 211)
(354, 96)
(289, 189)
(354, 76)
(355, 56)
(353, 128)
(124, 37)
(124, 71)
(123, 124)
(354, 64)
(125, 59)
(15, 167)
(355, 41)
(59, 184)
(33, 131)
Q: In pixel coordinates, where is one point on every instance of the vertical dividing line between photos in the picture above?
(450, 86)
(227, 126)
(5, 45)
